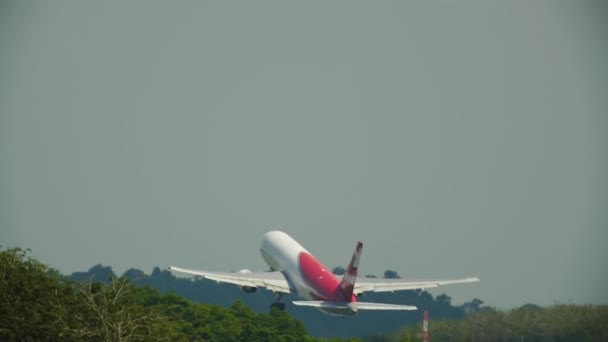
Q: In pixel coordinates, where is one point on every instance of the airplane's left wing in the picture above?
(273, 281)
(390, 285)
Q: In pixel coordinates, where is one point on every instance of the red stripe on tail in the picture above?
(347, 285)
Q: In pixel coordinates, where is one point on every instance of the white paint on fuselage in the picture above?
(281, 253)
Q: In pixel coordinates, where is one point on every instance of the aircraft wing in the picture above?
(390, 285)
(273, 281)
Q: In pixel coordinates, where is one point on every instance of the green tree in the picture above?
(29, 292)
(113, 312)
(527, 323)
(38, 304)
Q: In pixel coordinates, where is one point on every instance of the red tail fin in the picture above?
(350, 276)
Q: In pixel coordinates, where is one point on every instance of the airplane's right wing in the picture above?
(273, 281)
(390, 285)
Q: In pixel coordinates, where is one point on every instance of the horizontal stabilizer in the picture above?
(325, 304)
(353, 305)
(382, 306)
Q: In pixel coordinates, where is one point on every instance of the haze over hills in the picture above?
(362, 324)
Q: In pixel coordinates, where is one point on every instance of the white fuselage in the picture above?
(281, 253)
(307, 277)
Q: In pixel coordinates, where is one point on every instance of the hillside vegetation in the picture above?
(365, 323)
(38, 304)
(561, 322)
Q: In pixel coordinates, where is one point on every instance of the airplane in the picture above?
(294, 270)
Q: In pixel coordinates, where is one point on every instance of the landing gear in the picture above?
(278, 304)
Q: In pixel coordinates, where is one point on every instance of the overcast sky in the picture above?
(453, 138)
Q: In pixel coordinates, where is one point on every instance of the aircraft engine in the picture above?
(248, 289)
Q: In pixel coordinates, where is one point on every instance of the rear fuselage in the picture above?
(308, 277)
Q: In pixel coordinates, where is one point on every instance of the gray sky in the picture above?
(452, 138)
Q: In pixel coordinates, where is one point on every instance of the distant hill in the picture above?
(317, 324)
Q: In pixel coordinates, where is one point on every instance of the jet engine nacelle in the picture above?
(248, 289)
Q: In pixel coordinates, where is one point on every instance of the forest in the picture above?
(38, 303)
(365, 323)
(559, 322)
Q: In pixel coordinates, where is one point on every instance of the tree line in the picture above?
(365, 323)
(39, 304)
(559, 322)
